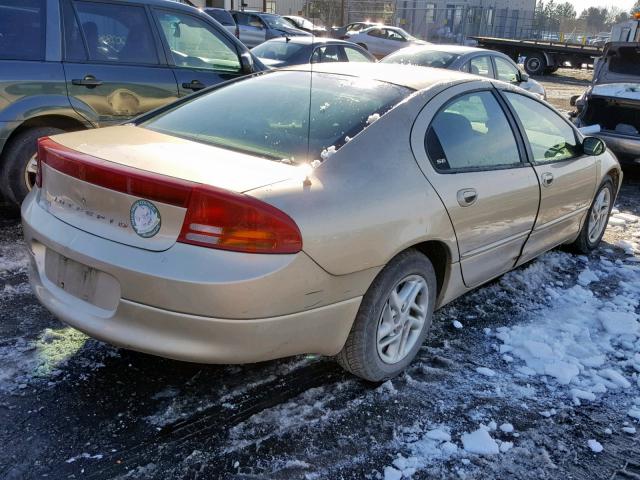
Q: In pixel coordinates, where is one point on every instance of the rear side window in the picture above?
(354, 55)
(275, 117)
(22, 29)
(221, 16)
(326, 54)
(471, 132)
(116, 33)
(551, 138)
(480, 66)
(433, 58)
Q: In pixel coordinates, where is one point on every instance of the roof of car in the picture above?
(416, 78)
(309, 40)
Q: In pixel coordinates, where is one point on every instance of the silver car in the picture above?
(477, 61)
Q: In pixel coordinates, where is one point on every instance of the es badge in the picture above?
(145, 218)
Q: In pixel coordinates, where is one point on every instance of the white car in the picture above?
(382, 40)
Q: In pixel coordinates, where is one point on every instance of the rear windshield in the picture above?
(423, 58)
(222, 16)
(626, 60)
(276, 50)
(22, 29)
(269, 115)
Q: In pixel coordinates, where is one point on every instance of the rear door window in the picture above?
(480, 66)
(471, 133)
(195, 44)
(326, 54)
(354, 55)
(22, 29)
(116, 33)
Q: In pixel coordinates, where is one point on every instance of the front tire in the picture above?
(18, 163)
(597, 217)
(393, 320)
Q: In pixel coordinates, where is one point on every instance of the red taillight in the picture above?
(233, 221)
(215, 218)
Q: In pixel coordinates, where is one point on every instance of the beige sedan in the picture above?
(261, 219)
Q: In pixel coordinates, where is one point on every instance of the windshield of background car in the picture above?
(224, 17)
(277, 50)
(275, 21)
(423, 58)
(269, 115)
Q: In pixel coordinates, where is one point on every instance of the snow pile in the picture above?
(328, 152)
(480, 442)
(589, 343)
(13, 258)
(595, 446)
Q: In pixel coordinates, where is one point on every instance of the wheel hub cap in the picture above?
(402, 319)
(30, 172)
(599, 215)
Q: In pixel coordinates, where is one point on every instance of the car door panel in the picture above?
(492, 210)
(567, 177)
(114, 72)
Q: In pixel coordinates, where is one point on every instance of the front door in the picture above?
(113, 67)
(472, 157)
(567, 176)
(200, 54)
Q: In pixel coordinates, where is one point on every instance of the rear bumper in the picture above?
(192, 278)
(626, 148)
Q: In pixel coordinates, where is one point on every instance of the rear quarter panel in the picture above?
(369, 201)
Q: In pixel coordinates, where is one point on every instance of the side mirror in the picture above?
(593, 146)
(572, 100)
(524, 77)
(176, 30)
(246, 63)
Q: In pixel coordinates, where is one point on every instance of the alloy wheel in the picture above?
(599, 215)
(30, 172)
(402, 319)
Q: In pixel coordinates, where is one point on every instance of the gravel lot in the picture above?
(72, 407)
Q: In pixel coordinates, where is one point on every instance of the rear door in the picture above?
(113, 63)
(252, 29)
(567, 176)
(200, 53)
(471, 153)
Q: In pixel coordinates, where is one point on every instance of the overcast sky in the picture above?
(582, 4)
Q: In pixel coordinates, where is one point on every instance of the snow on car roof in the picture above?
(410, 76)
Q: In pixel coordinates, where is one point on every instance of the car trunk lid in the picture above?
(133, 185)
(620, 63)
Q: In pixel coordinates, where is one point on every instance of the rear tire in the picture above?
(535, 64)
(597, 217)
(408, 282)
(16, 180)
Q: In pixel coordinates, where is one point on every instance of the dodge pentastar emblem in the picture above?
(145, 218)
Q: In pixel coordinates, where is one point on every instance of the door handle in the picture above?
(547, 179)
(467, 197)
(194, 85)
(88, 81)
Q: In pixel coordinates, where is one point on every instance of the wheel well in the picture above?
(440, 257)
(615, 175)
(67, 124)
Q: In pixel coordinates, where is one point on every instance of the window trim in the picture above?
(523, 132)
(167, 50)
(514, 130)
(162, 61)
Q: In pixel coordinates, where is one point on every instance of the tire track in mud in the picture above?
(216, 420)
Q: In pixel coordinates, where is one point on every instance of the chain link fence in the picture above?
(452, 23)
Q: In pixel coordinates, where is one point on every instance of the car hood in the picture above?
(620, 63)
